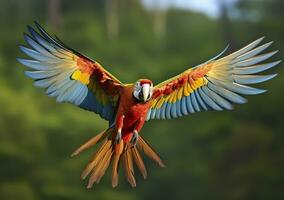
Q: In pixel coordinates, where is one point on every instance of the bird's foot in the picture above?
(134, 138)
(118, 137)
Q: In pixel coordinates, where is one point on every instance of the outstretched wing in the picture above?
(68, 75)
(214, 85)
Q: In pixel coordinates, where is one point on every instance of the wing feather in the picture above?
(68, 75)
(214, 85)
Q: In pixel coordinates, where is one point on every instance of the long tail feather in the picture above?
(92, 142)
(100, 169)
(139, 162)
(150, 152)
(116, 158)
(109, 152)
(128, 168)
(96, 158)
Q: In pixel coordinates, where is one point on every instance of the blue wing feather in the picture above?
(51, 67)
(223, 84)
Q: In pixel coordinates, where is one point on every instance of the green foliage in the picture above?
(228, 155)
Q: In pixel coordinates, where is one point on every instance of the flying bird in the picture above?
(71, 77)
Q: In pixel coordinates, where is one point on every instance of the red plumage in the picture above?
(72, 77)
(135, 112)
(130, 117)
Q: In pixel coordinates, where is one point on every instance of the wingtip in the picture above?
(39, 27)
(231, 107)
(25, 34)
(273, 75)
(20, 60)
(259, 40)
(262, 91)
(36, 23)
(26, 73)
(262, 38)
(29, 27)
(27, 37)
(268, 44)
(23, 49)
(227, 47)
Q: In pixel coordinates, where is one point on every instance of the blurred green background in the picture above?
(230, 155)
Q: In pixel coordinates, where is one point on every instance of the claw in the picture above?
(118, 137)
(134, 138)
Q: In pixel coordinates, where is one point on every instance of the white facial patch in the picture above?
(137, 89)
(143, 92)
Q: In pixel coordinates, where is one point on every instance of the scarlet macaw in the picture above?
(72, 77)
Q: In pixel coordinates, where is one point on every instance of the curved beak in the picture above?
(145, 91)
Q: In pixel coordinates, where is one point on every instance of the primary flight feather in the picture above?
(72, 77)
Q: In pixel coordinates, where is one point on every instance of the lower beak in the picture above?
(145, 92)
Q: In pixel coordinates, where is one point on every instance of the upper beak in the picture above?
(145, 91)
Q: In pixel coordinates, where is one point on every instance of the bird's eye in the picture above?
(140, 96)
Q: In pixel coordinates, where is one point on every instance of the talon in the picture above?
(134, 138)
(118, 137)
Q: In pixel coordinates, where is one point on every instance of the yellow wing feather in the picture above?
(216, 84)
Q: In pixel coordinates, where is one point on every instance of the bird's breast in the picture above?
(137, 111)
(132, 109)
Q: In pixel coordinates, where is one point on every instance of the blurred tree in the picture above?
(54, 13)
(112, 18)
(160, 21)
(226, 25)
(253, 9)
(228, 155)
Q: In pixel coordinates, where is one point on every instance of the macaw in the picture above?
(71, 77)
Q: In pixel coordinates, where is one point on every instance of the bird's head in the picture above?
(143, 90)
